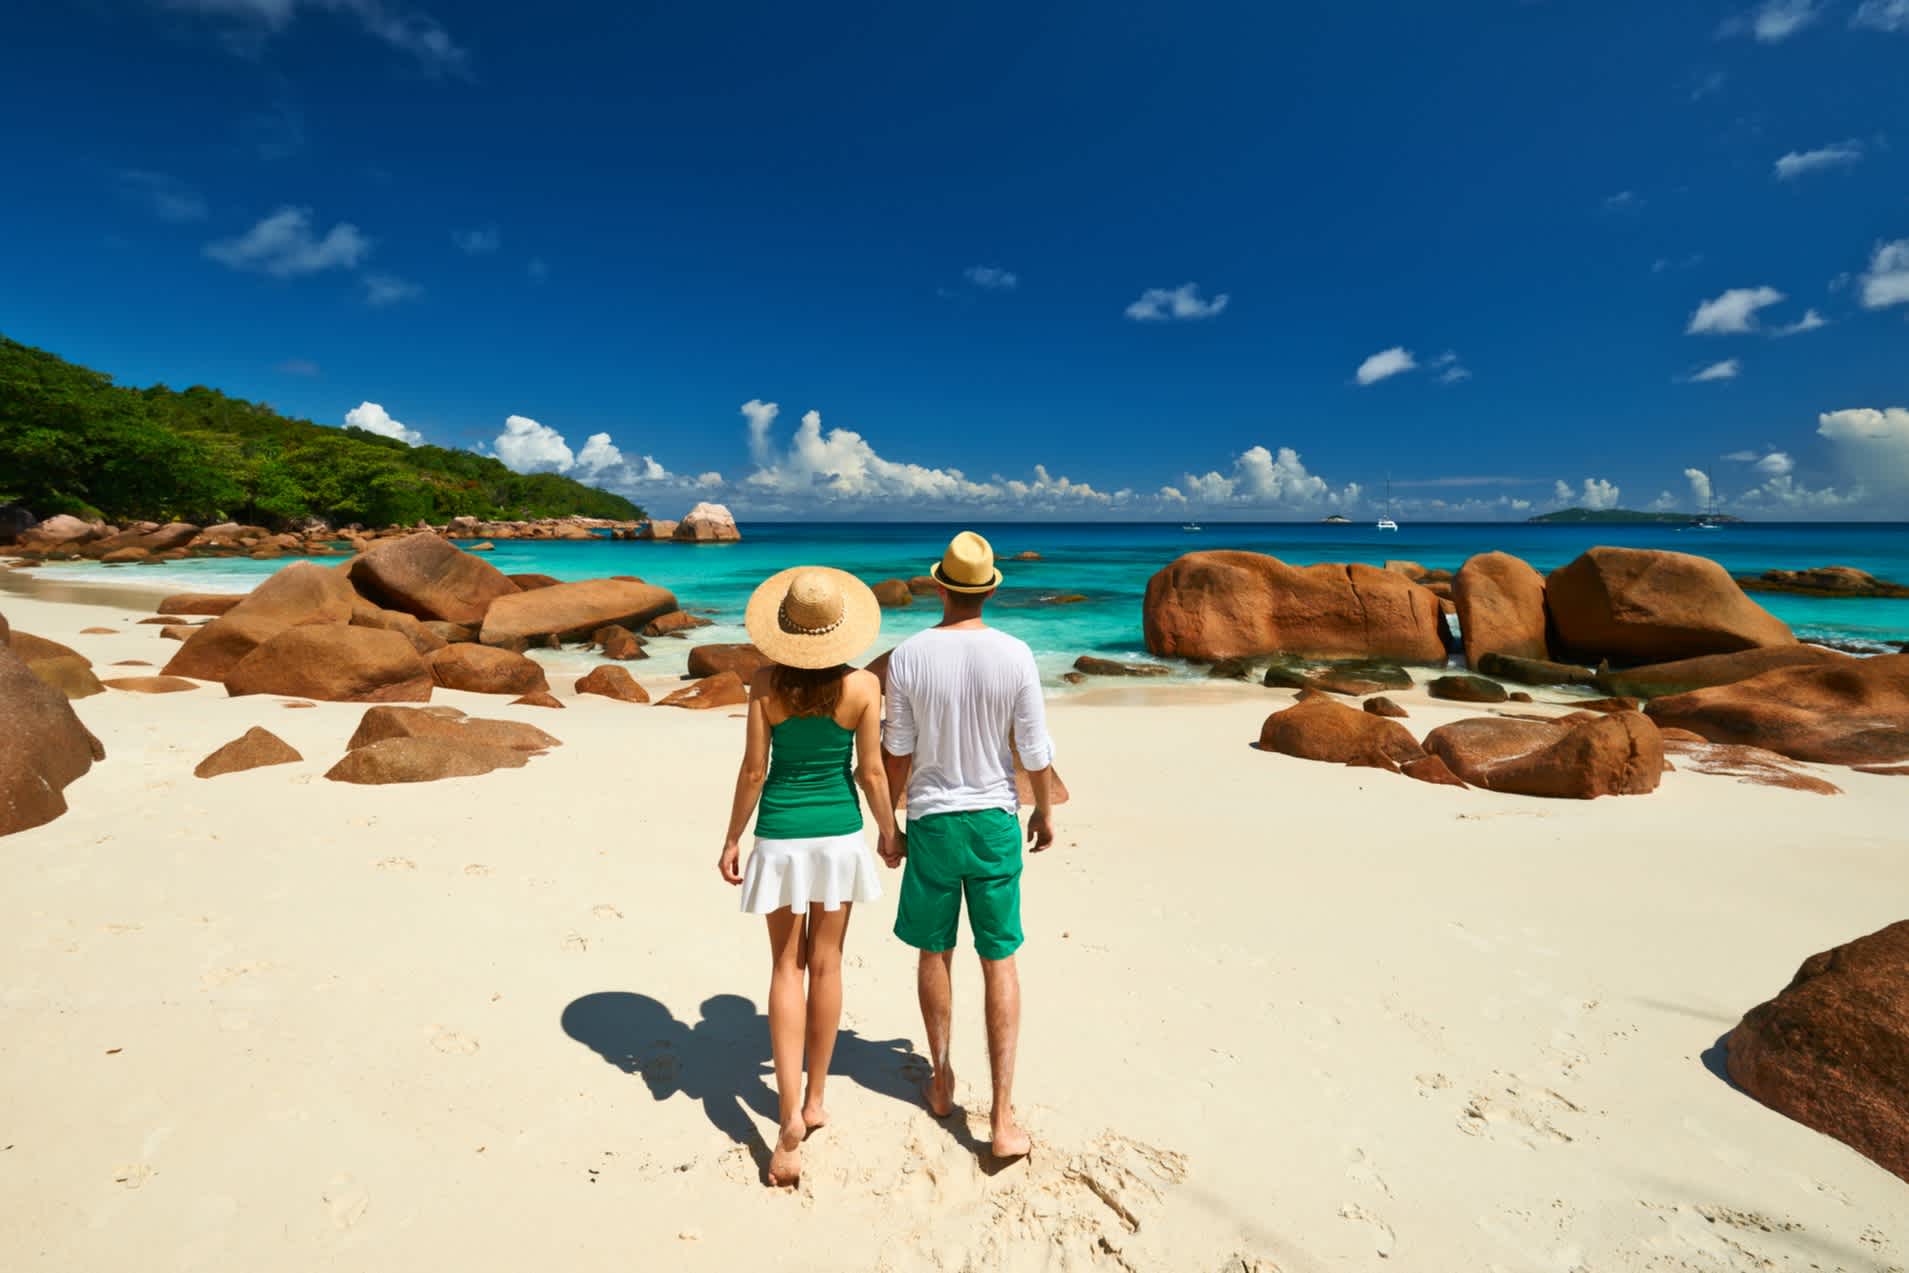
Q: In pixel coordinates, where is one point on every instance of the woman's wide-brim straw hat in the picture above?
(813, 616)
(967, 566)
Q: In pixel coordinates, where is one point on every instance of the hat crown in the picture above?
(968, 560)
(813, 605)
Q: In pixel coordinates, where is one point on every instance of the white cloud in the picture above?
(762, 417)
(385, 289)
(284, 246)
(1734, 311)
(1728, 369)
(992, 277)
(1158, 304)
(1882, 15)
(167, 198)
(1385, 363)
(1700, 489)
(1886, 282)
(482, 241)
(600, 453)
(1810, 321)
(1800, 163)
(1773, 21)
(1263, 478)
(1775, 464)
(1623, 201)
(1744, 457)
(1450, 370)
(1596, 494)
(413, 33)
(526, 446)
(373, 418)
(1872, 446)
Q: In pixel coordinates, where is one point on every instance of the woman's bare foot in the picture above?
(785, 1164)
(1010, 1139)
(814, 1115)
(938, 1092)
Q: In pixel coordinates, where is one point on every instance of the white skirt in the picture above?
(825, 870)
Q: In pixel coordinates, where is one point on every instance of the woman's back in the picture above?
(810, 790)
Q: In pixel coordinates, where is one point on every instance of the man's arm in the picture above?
(898, 752)
(1037, 754)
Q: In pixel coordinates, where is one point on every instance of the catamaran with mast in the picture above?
(1386, 522)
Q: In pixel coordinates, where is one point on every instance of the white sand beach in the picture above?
(1279, 1014)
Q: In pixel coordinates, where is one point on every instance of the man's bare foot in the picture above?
(1010, 1139)
(938, 1092)
(814, 1115)
(785, 1164)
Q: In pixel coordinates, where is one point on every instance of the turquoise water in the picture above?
(1110, 564)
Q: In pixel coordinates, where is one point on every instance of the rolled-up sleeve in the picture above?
(898, 726)
(1030, 720)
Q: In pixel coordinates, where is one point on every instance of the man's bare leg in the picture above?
(1001, 981)
(934, 984)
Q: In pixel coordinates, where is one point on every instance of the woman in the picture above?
(808, 713)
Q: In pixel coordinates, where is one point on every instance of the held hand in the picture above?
(727, 863)
(1040, 831)
(893, 847)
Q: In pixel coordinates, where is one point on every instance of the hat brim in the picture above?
(934, 573)
(861, 622)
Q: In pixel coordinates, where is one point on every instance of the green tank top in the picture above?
(809, 791)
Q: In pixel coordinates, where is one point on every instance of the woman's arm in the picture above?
(870, 773)
(749, 780)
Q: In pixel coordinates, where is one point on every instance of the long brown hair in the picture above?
(809, 691)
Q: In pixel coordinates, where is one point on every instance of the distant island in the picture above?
(1337, 519)
(72, 441)
(1623, 517)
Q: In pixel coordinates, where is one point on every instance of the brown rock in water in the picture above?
(923, 585)
(150, 684)
(46, 748)
(1324, 729)
(1500, 603)
(334, 663)
(1466, 689)
(429, 578)
(1709, 670)
(212, 603)
(1850, 713)
(1825, 581)
(1066, 599)
(483, 669)
(380, 723)
(656, 528)
(1217, 605)
(612, 682)
(706, 524)
(1025, 555)
(1831, 1050)
(1339, 681)
(1092, 665)
(70, 674)
(528, 581)
(1579, 759)
(422, 760)
(617, 642)
(1753, 765)
(1433, 770)
(744, 660)
(1651, 606)
(893, 593)
(1380, 705)
(725, 689)
(675, 621)
(1234, 670)
(571, 611)
(302, 593)
(1507, 667)
(1074, 678)
(537, 698)
(254, 749)
(422, 639)
(129, 553)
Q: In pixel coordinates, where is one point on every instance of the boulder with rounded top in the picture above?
(1682, 675)
(744, 660)
(301, 593)
(571, 611)
(334, 663)
(429, 578)
(724, 689)
(706, 524)
(46, 748)
(1854, 712)
(380, 723)
(1321, 728)
(398, 760)
(1499, 600)
(1646, 605)
(484, 669)
(1575, 758)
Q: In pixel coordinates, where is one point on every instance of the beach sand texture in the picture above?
(1280, 1015)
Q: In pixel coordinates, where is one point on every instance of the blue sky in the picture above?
(1111, 260)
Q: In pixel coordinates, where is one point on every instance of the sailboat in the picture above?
(1386, 522)
(1708, 519)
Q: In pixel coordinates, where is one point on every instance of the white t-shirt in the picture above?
(954, 698)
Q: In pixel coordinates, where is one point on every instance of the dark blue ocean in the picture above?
(1110, 564)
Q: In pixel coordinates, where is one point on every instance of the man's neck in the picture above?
(965, 623)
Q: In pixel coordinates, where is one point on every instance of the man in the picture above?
(961, 696)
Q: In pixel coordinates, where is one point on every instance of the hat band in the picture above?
(796, 629)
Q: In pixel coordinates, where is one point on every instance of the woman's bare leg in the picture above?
(787, 1011)
(827, 929)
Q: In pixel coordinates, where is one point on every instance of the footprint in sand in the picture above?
(1362, 1171)
(345, 1201)
(1523, 1111)
(606, 911)
(576, 943)
(477, 868)
(132, 1175)
(1433, 1082)
(454, 1043)
(397, 864)
(1383, 1239)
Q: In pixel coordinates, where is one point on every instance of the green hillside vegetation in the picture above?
(71, 441)
(1621, 516)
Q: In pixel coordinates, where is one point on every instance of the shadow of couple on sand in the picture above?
(724, 1062)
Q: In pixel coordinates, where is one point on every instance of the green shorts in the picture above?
(978, 853)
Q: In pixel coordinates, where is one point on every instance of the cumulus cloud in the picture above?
(525, 446)
(762, 417)
(1164, 304)
(1596, 494)
(992, 277)
(1700, 488)
(1384, 364)
(1773, 21)
(1886, 281)
(1810, 321)
(1775, 464)
(250, 23)
(528, 446)
(1728, 369)
(284, 246)
(1734, 311)
(600, 453)
(167, 198)
(1872, 446)
(1882, 15)
(386, 289)
(1798, 163)
(481, 241)
(1264, 478)
(373, 418)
